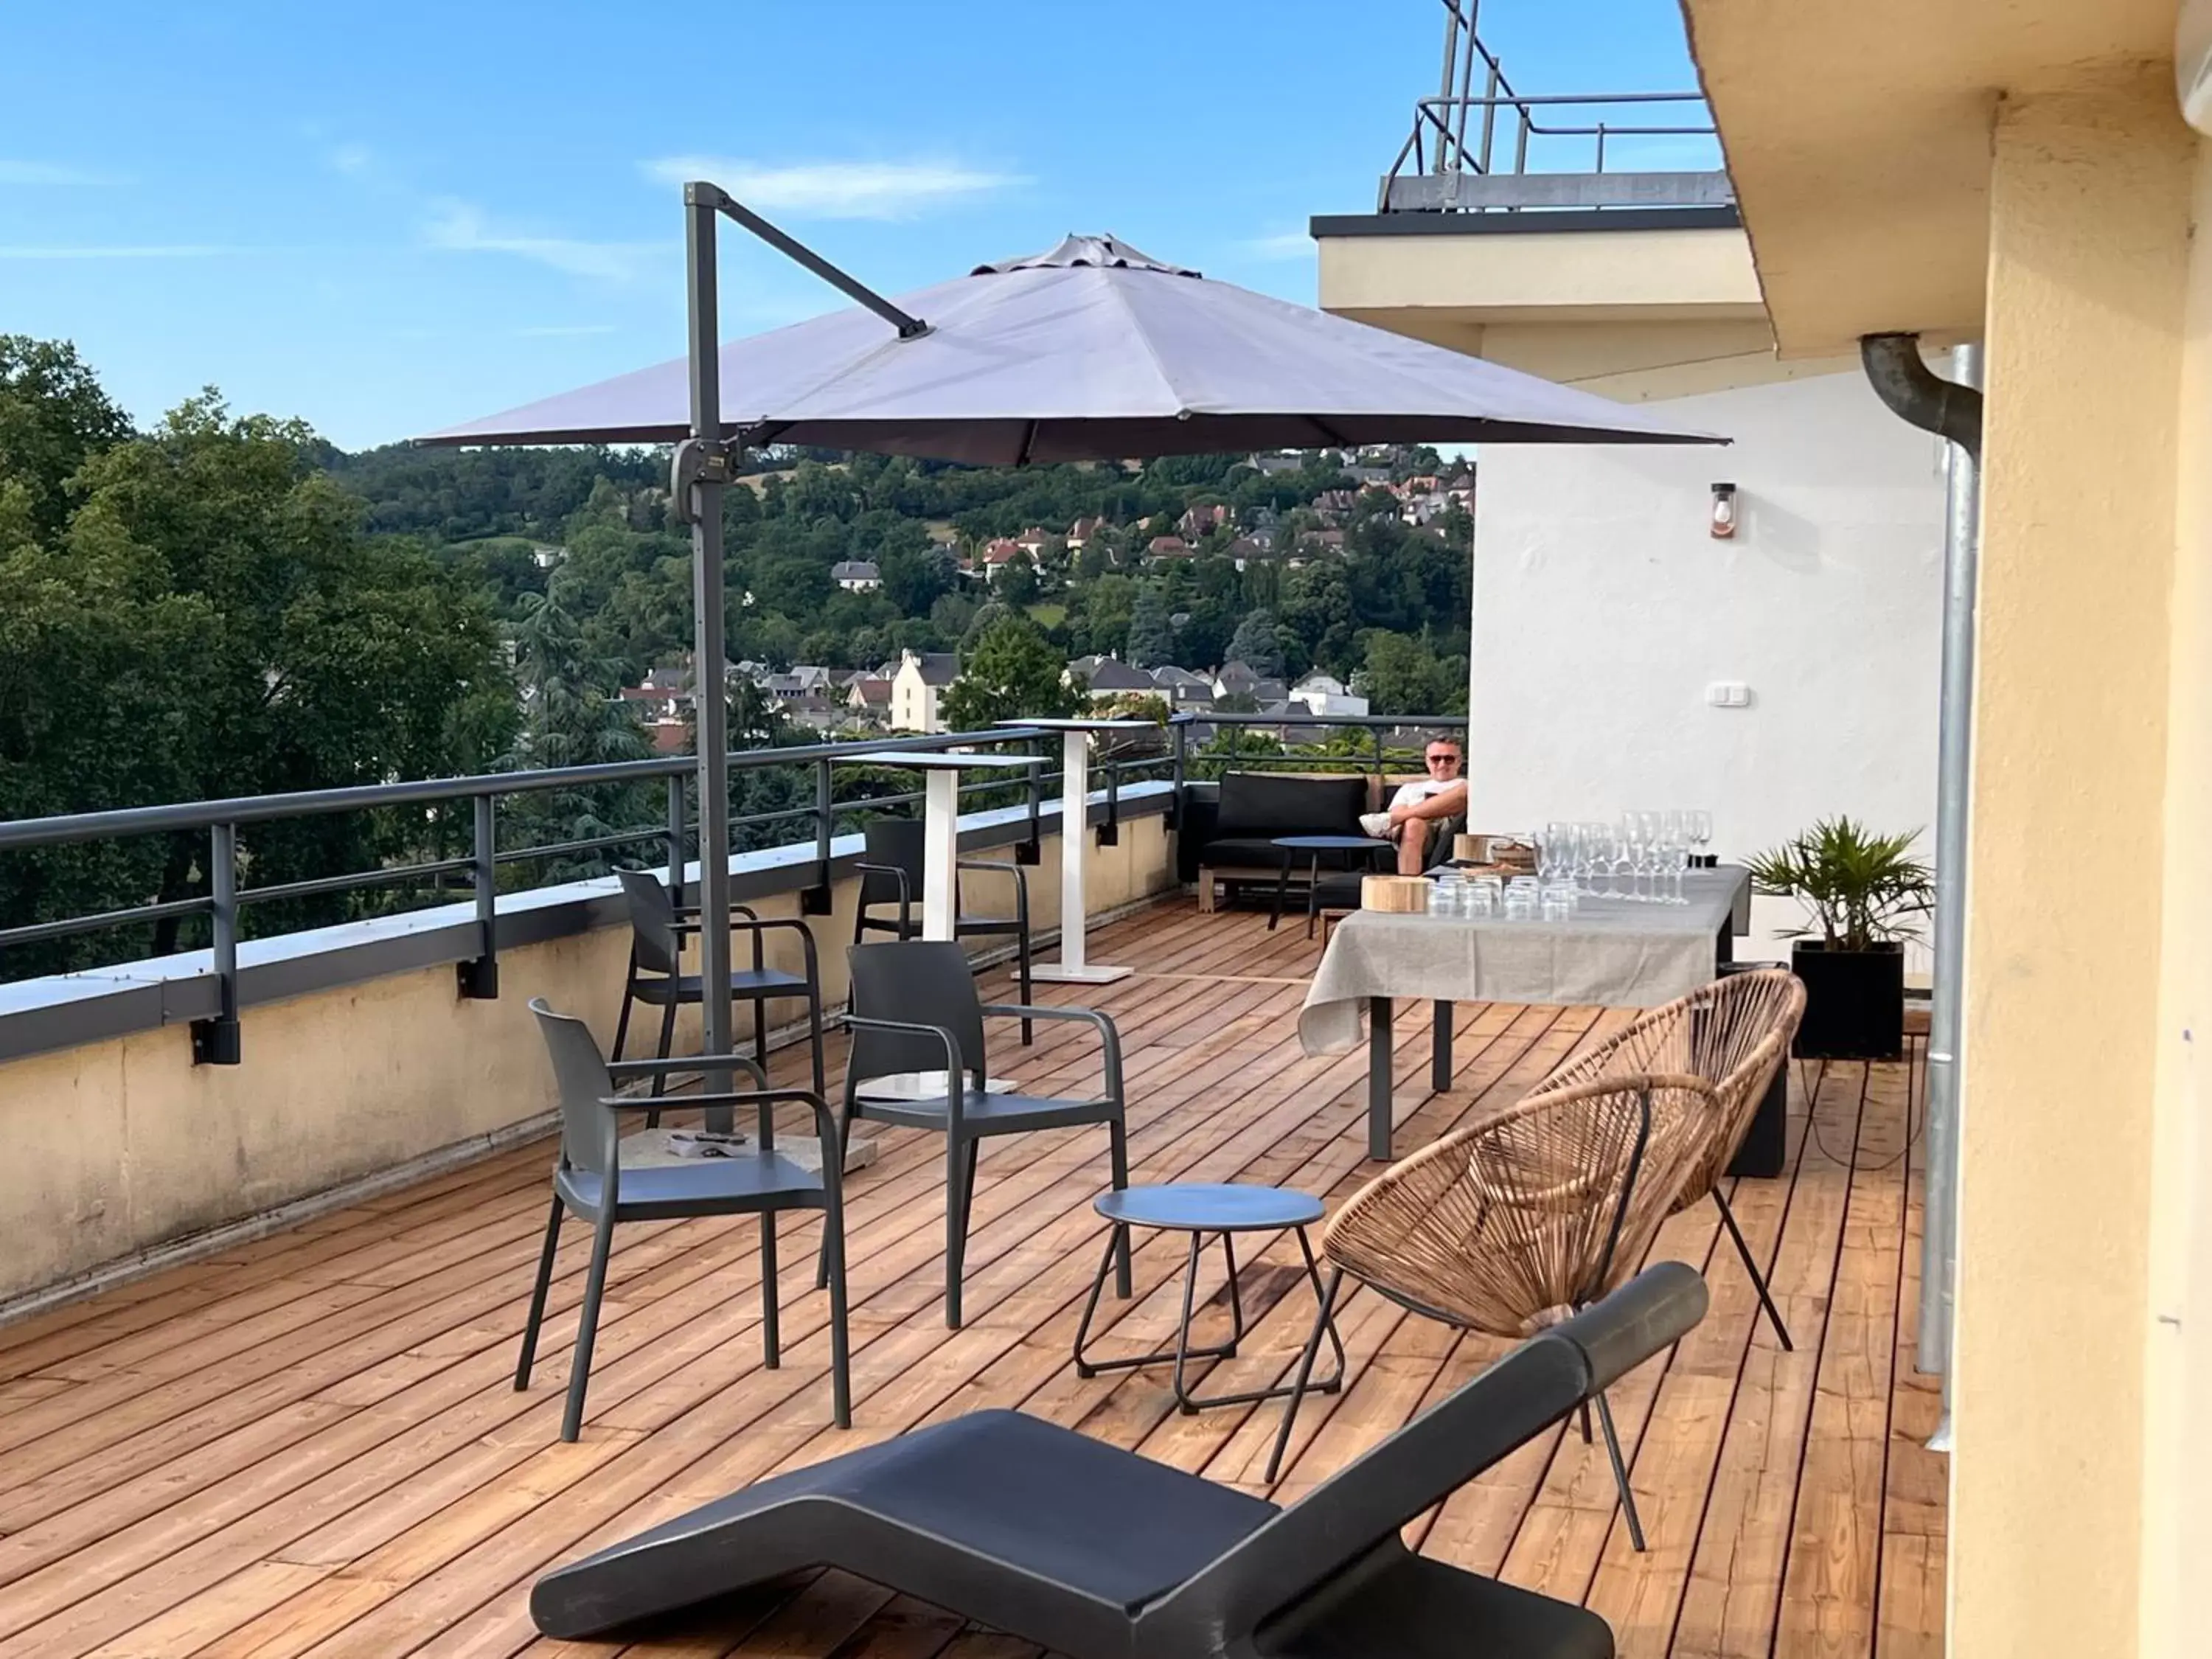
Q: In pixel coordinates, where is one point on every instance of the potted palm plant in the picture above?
(1865, 893)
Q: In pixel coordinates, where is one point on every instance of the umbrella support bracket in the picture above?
(698, 460)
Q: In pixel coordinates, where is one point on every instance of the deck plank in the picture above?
(310, 1444)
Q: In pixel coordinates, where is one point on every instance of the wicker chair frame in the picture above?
(1510, 1224)
(1735, 1032)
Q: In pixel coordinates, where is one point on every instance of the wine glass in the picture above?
(1623, 866)
(1699, 826)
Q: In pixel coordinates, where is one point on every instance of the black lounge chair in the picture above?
(1098, 1554)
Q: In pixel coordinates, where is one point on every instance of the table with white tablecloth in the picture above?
(1611, 952)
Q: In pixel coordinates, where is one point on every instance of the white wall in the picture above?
(1603, 608)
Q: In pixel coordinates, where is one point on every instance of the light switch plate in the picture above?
(1729, 694)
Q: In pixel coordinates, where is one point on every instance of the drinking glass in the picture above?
(1678, 862)
(1442, 902)
(1699, 827)
(1520, 904)
(1558, 901)
(1483, 895)
(1585, 856)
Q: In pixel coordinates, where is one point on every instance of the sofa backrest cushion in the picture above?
(1269, 804)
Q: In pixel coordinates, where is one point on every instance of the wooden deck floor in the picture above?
(311, 1446)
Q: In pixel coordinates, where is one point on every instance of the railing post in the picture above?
(1374, 736)
(479, 980)
(816, 900)
(1031, 852)
(676, 838)
(1180, 747)
(215, 1041)
(1109, 832)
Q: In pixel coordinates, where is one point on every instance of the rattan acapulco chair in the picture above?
(1735, 1033)
(1510, 1226)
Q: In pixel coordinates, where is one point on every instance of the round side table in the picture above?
(1200, 1209)
(1315, 847)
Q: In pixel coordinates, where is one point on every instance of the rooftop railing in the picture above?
(220, 834)
(1472, 144)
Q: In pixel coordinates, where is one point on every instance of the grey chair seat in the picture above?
(743, 982)
(990, 1114)
(707, 1186)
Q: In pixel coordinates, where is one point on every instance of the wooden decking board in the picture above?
(310, 1444)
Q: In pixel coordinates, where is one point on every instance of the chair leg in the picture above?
(1119, 1152)
(587, 1326)
(537, 1298)
(1621, 1474)
(841, 1359)
(959, 1181)
(771, 1343)
(622, 1022)
(814, 1039)
(667, 1042)
(1022, 972)
(1758, 1279)
(1324, 1321)
(823, 1263)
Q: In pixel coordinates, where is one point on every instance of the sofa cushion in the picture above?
(1263, 805)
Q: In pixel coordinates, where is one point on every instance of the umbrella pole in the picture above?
(706, 468)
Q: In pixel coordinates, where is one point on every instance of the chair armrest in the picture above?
(756, 926)
(955, 1079)
(996, 866)
(1110, 1039)
(618, 1068)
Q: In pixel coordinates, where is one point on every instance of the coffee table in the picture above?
(1316, 846)
(1200, 1208)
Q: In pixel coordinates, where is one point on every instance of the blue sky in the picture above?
(389, 218)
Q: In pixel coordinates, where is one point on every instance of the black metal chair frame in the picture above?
(650, 982)
(963, 926)
(755, 1182)
(1096, 1553)
(1086, 1366)
(966, 1115)
(1301, 1387)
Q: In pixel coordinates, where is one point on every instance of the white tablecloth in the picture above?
(1612, 953)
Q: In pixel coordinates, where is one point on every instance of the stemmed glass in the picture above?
(1553, 855)
(1623, 866)
(1699, 826)
(1585, 857)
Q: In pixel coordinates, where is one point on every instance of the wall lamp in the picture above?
(1724, 525)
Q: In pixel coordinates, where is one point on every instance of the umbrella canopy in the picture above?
(1091, 352)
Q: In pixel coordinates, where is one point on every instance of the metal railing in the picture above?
(1439, 166)
(223, 898)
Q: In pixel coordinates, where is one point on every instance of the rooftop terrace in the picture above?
(311, 1444)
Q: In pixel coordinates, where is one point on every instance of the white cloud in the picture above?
(355, 160)
(52, 173)
(1283, 245)
(159, 251)
(464, 228)
(836, 190)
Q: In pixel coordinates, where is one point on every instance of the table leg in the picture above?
(1074, 966)
(1282, 887)
(1378, 1078)
(1440, 1054)
(1313, 894)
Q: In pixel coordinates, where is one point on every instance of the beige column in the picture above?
(2178, 1373)
(2089, 221)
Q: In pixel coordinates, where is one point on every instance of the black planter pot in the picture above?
(1854, 1002)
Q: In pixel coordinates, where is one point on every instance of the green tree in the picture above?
(210, 623)
(572, 715)
(1255, 644)
(1151, 633)
(54, 417)
(1013, 673)
(1403, 676)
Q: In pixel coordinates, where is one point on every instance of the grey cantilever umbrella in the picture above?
(1091, 352)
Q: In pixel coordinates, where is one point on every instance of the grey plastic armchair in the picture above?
(590, 1182)
(916, 1009)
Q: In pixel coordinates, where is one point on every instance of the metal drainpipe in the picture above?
(1953, 410)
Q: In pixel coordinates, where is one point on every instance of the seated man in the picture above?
(1419, 811)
